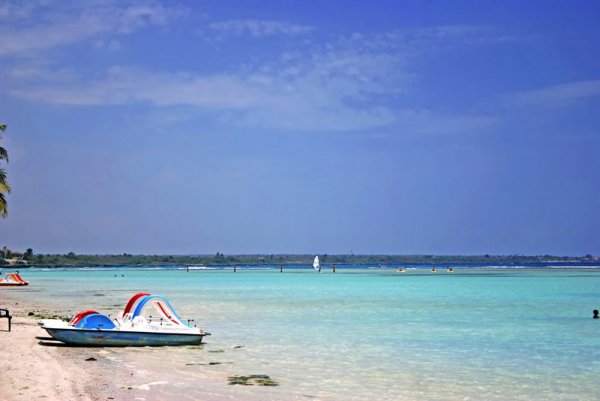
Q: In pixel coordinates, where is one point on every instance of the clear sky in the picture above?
(401, 127)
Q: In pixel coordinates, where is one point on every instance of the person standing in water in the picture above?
(596, 314)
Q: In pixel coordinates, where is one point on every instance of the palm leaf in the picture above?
(4, 187)
(3, 154)
(3, 208)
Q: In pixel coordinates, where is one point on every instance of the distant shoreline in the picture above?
(289, 260)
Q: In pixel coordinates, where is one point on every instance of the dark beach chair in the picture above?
(4, 313)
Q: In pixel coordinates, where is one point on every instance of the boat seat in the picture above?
(5, 314)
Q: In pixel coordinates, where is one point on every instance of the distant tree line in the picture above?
(9, 257)
(220, 259)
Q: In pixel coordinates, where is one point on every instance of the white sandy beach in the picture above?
(31, 370)
(34, 367)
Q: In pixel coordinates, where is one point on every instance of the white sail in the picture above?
(316, 264)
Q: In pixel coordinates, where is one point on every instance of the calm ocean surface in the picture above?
(358, 334)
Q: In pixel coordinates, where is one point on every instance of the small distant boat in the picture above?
(316, 264)
(147, 320)
(12, 280)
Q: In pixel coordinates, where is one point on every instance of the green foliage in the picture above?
(5, 253)
(28, 255)
(219, 259)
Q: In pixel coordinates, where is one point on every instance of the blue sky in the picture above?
(401, 127)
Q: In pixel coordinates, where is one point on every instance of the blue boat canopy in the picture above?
(96, 321)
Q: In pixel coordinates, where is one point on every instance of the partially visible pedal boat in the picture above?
(147, 320)
(13, 279)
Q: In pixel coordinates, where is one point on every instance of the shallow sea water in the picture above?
(361, 333)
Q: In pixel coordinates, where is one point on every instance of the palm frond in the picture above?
(4, 187)
(3, 154)
(3, 207)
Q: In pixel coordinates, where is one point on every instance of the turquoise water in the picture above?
(493, 334)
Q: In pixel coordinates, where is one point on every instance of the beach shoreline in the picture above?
(31, 370)
(34, 368)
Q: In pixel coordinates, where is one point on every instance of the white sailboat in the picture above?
(316, 264)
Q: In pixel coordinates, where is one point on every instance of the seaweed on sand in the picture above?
(259, 380)
(45, 315)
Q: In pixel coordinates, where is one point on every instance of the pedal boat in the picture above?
(147, 320)
(13, 280)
